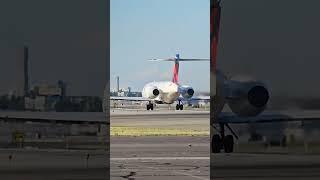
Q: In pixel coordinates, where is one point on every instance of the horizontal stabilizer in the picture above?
(124, 98)
(172, 59)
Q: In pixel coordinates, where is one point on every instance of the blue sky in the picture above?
(143, 29)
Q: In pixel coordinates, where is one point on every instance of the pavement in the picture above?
(187, 157)
(160, 157)
(50, 164)
(172, 157)
(265, 166)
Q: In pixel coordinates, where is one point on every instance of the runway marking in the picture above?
(160, 158)
(180, 173)
(160, 145)
(190, 175)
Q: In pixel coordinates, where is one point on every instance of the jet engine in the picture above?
(151, 92)
(187, 91)
(247, 98)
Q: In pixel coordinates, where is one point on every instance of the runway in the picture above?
(187, 157)
(192, 164)
(160, 157)
(35, 164)
(265, 166)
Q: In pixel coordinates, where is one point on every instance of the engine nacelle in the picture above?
(186, 91)
(151, 92)
(247, 98)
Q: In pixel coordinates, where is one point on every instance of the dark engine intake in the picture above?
(258, 96)
(249, 100)
(151, 92)
(155, 92)
(187, 92)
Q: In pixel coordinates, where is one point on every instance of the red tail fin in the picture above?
(215, 24)
(175, 77)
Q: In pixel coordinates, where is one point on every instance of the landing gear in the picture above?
(228, 144)
(216, 143)
(150, 106)
(179, 106)
(220, 141)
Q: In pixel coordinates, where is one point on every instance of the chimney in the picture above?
(26, 71)
(118, 84)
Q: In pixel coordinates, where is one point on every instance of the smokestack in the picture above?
(118, 84)
(26, 70)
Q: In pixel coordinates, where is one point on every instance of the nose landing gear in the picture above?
(150, 106)
(179, 106)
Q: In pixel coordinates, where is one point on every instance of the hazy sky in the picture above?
(275, 41)
(67, 41)
(143, 29)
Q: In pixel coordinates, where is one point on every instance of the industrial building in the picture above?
(122, 92)
(19, 127)
(42, 96)
(52, 129)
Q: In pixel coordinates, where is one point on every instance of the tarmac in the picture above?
(171, 157)
(159, 157)
(50, 164)
(188, 157)
(195, 120)
(265, 166)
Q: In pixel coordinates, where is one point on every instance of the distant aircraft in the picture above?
(166, 92)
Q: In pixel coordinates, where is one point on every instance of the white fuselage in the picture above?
(169, 92)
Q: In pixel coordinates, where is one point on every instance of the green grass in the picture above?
(147, 131)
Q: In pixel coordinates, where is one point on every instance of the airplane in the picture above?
(166, 92)
(247, 99)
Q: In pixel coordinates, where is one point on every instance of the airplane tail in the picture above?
(215, 14)
(175, 77)
(177, 59)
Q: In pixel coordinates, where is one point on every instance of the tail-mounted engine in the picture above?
(186, 91)
(247, 98)
(151, 92)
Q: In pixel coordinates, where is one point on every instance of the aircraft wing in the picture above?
(198, 98)
(129, 98)
(282, 116)
(54, 117)
(195, 98)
